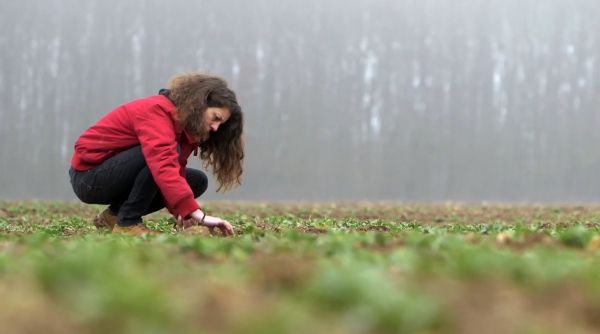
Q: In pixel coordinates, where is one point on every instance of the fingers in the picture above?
(226, 228)
(187, 223)
(223, 225)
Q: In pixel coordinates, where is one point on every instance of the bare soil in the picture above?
(427, 213)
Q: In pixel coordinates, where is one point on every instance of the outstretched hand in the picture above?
(199, 218)
(223, 225)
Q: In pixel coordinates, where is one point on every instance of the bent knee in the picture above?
(197, 180)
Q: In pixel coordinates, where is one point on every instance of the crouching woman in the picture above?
(134, 158)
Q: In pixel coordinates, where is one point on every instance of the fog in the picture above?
(411, 100)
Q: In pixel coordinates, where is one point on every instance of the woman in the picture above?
(134, 158)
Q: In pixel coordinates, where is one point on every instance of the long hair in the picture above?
(223, 150)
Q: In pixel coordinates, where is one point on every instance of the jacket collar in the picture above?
(190, 138)
(180, 130)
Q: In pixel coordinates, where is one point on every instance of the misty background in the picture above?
(414, 100)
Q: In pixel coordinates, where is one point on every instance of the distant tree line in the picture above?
(405, 100)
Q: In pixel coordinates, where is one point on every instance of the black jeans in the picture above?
(125, 183)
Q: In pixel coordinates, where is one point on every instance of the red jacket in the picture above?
(148, 121)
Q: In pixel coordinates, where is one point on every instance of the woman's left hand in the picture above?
(186, 222)
(210, 222)
(223, 225)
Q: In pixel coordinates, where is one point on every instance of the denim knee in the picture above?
(197, 180)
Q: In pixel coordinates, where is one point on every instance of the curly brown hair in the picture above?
(223, 150)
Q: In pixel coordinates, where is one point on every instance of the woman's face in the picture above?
(213, 118)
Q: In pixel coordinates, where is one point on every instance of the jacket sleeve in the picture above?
(156, 133)
(182, 172)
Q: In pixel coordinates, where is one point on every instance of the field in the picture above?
(305, 267)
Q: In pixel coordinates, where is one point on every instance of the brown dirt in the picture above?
(225, 304)
(383, 248)
(25, 310)
(314, 230)
(280, 270)
(526, 241)
(427, 213)
(499, 307)
(380, 228)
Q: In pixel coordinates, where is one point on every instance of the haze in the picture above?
(411, 100)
